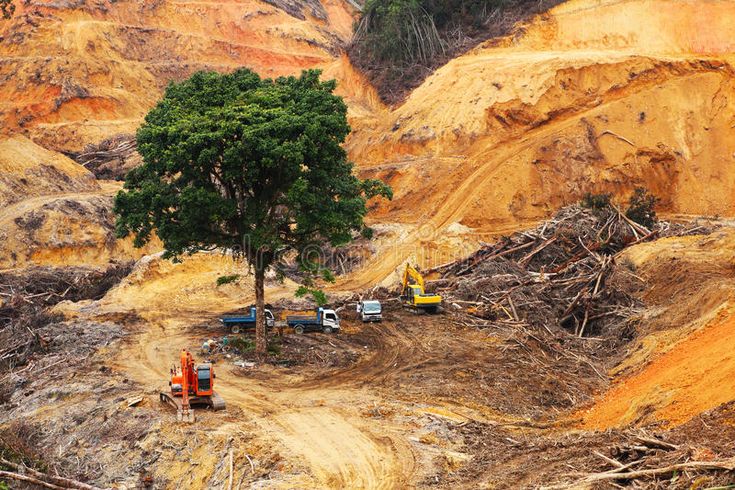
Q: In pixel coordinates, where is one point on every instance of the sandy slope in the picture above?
(683, 367)
(641, 96)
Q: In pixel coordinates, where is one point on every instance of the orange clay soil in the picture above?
(695, 376)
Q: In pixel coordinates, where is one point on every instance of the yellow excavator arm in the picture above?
(412, 273)
(414, 294)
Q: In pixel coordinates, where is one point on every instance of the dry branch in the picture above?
(17, 476)
(57, 480)
(728, 465)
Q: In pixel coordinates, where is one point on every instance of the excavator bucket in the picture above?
(185, 416)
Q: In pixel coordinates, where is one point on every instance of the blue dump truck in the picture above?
(323, 320)
(241, 322)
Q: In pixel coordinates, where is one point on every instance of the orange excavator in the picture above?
(194, 385)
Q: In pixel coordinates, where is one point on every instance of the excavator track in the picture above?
(216, 402)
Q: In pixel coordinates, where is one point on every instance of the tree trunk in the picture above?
(261, 338)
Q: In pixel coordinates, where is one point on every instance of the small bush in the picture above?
(274, 348)
(641, 207)
(221, 280)
(596, 201)
(241, 344)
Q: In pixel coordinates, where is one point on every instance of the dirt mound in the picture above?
(685, 336)
(27, 170)
(110, 159)
(637, 25)
(64, 229)
(398, 46)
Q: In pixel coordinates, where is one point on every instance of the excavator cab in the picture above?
(205, 375)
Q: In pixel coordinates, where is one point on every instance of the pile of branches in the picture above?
(26, 296)
(111, 159)
(30, 476)
(561, 275)
(641, 456)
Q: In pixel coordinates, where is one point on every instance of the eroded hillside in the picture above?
(76, 73)
(568, 106)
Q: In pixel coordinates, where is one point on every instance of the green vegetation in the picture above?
(399, 42)
(319, 297)
(249, 164)
(7, 7)
(244, 345)
(596, 201)
(641, 207)
(241, 344)
(274, 347)
(222, 280)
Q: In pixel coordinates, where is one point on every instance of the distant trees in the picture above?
(249, 164)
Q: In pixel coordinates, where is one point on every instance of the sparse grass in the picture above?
(274, 347)
(222, 280)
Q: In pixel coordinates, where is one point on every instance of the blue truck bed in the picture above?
(246, 320)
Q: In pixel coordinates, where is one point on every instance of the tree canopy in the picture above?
(253, 165)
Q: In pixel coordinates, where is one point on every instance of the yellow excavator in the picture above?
(413, 294)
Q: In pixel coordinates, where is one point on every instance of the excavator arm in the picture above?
(411, 273)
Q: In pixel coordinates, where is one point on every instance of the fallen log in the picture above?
(56, 481)
(727, 465)
(9, 475)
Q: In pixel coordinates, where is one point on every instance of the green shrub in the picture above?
(241, 344)
(641, 207)
(227, 279)
(319, 296)
(596, 201)
(274, 348)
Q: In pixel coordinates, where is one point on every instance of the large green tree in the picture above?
(249, 164)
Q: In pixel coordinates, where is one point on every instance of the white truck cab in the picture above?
(331, 319)
(370, 311)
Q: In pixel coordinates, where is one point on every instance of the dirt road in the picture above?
(318, 428)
